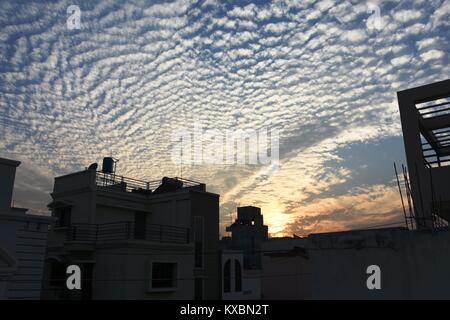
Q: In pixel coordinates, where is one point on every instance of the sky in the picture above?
(324, 74)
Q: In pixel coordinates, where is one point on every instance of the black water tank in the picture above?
(108, 165)
(172, 182)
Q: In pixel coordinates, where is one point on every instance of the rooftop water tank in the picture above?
(108, 165)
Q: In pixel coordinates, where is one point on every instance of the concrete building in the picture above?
(413, 264)
(286, 272)
(274, 268)
(248, 232)
(133, 239)
(241, 255)
(425, 116)
(23, 240)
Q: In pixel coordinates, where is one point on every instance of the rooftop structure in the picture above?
(425, 116)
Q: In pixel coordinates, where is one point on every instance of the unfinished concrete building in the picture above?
(425, 116)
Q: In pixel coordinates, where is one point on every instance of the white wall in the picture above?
(126, 271)
(414, 265)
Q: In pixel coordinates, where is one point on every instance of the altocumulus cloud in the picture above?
(138, 70)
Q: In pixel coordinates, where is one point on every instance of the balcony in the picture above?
(92, 233)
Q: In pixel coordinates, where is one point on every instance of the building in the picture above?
(23, 240)
(413, 264)
(425, 116)
(273, 268)
(241, 255)
(133, 239)
(286, 272)
(248, 232)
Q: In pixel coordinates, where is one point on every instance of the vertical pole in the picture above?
(421, 198)
(401, 195)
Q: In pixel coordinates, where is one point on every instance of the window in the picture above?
(238, 276)
(198, 239)
(227, 276)
(63, 215)
(164, 275)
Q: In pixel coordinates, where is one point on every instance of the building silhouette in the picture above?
(133, 239)
(23, 239)
(248, 232)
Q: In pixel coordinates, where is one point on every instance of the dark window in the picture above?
(63, 215)
(238, 276)
(164, 275)
(198, 239)
(198, 289)
(227, 276)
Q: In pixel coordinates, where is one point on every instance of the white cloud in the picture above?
(404, 16)
(353, 35)
(401, 60)
(432, 55)
(243, 12)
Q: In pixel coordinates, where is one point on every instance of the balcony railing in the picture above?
(127, 231)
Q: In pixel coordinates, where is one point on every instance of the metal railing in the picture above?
(120, 183)
(127, 231)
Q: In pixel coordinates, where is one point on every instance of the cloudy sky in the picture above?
(322, 73)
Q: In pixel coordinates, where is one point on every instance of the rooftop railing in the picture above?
(120, 183)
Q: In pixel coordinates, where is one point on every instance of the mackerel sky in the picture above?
(137, 71)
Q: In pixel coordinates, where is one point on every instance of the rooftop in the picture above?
(121, 183)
